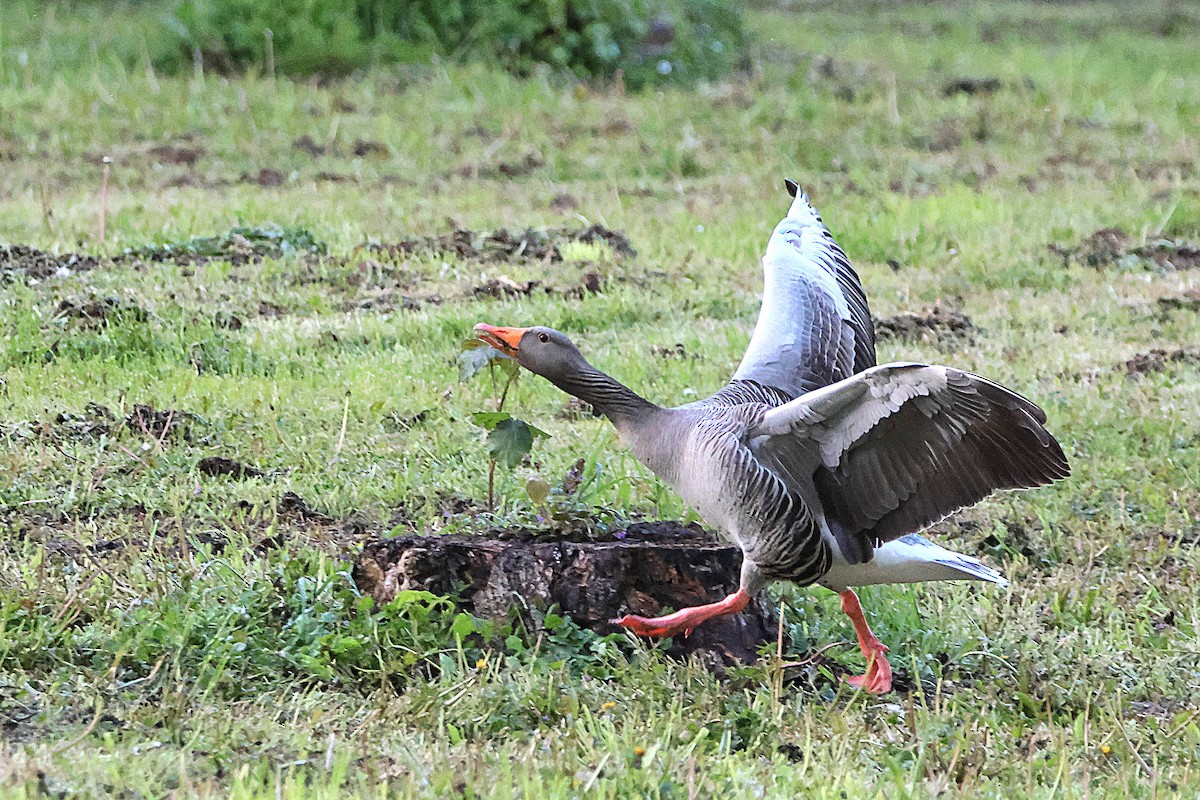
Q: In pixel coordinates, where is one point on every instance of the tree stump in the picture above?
(653, 568)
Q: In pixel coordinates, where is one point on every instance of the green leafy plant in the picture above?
(645, 41)
(509, 439)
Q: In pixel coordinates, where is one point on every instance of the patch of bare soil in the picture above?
(1188, 301)
(526, 165)
(22, 260)
(95, 420)
(98, 420)
(984, 86)
(162, 424)
(387, 302)
(100, 312)
(1109, 246)
(593, 283)
(228, 320)
(367, 148)
(176, 153)
(309, 145)
(503, 245)
(937, 325)
(219, 466)
(1157, 360)
(267, 177)
(293, 506)
(505, 287)
(564, 202)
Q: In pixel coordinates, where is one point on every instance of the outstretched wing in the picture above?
(814, 327)
(900, 446)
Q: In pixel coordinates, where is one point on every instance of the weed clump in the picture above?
(644, 41)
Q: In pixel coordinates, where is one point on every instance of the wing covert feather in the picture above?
(900, 446)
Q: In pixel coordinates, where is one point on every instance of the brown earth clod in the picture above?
(1188, 301)
(1109, 246)
(936, 324)
(1158, 359)
(19, 259)
(162, 424)
(293, 506)
(218, 466)
(185, 155)
(982, 86)
(99, 312)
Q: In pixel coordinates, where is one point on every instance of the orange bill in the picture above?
(506, 340)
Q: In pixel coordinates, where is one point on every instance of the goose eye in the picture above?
(543, 337)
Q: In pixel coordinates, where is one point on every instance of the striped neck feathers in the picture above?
(604, 393)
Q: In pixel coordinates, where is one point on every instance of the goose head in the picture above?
(543, 351)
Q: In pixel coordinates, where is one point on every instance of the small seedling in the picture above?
(509, 439)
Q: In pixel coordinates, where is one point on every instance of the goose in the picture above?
(819, 464)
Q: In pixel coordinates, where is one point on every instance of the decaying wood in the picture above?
(654, 568)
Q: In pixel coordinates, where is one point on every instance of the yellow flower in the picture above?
(608, 706)
(639, 751)
(481, 663)
(1105, 749)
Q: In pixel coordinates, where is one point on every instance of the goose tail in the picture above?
(802, 209)
(912, 559)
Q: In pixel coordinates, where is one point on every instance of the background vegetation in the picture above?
(1020, 178)
(641, 42)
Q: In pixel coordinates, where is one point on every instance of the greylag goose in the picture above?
(818, 464)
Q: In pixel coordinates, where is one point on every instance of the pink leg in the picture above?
(685, 619)
(878, 678)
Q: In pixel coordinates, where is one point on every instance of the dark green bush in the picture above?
(648, 41)
(308, 36)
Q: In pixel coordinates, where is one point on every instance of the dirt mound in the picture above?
(503, 245)
(1188, 301)
(99, 312)
(218, 466)
(180, 154)
(162, 424)
(1109, 246)
(505, 287)
(99, 420)
(22, 260)
(525, 165)
(936, 324)
(1157, 360)
(95, 420)
(988, 85)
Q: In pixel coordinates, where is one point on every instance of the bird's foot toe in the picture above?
(660, 628)
(878, 677)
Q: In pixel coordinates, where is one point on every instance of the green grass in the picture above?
(163, 631)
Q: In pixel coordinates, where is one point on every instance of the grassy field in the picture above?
(165, 631)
